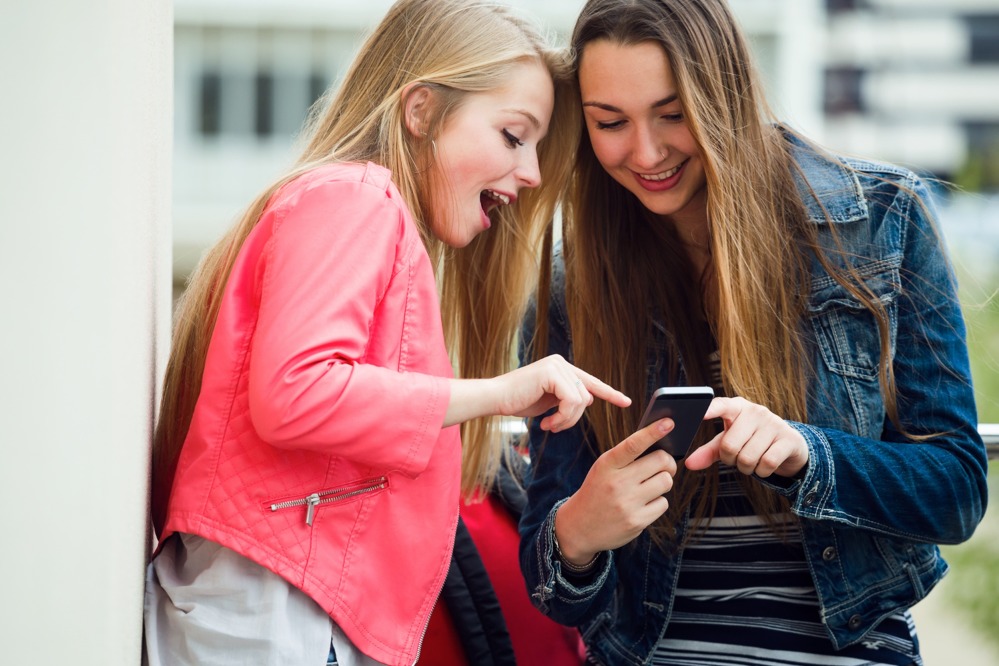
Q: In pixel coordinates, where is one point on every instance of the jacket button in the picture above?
(810, 498)
(829, 554)
(854, 622)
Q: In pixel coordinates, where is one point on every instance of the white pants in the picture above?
(205, 605)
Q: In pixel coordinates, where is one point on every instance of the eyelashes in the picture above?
(512, 139)
(617, 124)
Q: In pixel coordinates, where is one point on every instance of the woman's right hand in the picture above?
(532, 390)
(621, 495)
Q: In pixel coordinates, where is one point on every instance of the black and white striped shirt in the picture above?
(744, 596)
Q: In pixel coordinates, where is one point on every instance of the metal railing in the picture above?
(990, 435)
(988, 431)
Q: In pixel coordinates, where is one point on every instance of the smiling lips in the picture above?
(664, 180)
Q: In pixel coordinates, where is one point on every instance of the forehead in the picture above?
(638, 72)
(527, 93)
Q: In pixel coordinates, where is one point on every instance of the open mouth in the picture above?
(491, 199)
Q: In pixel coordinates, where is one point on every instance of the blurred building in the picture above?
(246, 71)
(910, 81)
(916, 82)
(245, 74)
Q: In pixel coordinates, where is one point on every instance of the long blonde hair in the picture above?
(627, 269)
(456, 48)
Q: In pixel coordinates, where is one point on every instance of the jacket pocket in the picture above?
(342, 493)
(846, 332)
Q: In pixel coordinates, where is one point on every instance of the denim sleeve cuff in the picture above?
(790, 486)
(782, 485)
(813, 491)
(562, 586)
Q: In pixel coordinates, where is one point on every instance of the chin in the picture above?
(459, 241)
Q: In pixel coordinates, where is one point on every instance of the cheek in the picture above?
(684, 141)
(608, 152)
(464, 171)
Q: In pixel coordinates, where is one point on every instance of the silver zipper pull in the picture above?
(312, 501)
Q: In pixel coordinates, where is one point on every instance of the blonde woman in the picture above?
(307, 467)
(705, 244)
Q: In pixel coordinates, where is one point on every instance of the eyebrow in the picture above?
(527, 114)
(613, 109)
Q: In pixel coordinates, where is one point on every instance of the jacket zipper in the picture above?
(333, 495)
(426, 625)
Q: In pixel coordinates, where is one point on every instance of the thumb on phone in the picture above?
(631, 448)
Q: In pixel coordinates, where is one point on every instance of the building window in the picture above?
(210, 106)
(317, 87)
(264, 104)
(254, 84)
(836, 6)
(263, 121)
(844, 90)
(984, 31)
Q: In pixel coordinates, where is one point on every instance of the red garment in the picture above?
(327, 373)
(537, 640)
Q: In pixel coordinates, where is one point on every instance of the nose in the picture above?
(646, 149)
(528, 172)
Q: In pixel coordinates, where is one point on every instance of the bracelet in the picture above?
(573, 568)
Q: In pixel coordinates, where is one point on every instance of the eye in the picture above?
(609, 126)
(673, 117)
(512, 139)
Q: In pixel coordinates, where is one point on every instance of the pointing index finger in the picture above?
(603, 391)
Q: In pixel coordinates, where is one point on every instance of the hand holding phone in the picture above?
(686, 405)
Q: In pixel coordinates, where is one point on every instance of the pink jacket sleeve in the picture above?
(333, 254)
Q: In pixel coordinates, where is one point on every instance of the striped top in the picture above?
(746, 597)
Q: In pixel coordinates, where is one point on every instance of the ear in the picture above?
(418, 102)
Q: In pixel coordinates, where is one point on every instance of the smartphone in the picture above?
(686, 405)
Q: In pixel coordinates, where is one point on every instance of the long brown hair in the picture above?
(457, 48)
(627, 272)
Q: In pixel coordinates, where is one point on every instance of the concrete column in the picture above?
(85, 191)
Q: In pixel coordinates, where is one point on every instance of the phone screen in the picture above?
(686, 405)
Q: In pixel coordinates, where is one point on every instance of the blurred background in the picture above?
(914, 82)
(133, 134)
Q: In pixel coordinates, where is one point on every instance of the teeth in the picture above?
(496, 196)
(660, 176)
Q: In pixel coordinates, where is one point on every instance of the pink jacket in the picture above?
(316, 447)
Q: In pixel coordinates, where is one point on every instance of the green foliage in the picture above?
(980, 303)
(973, 592)
(980, 171)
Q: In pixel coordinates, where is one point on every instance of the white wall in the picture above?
(84, 299)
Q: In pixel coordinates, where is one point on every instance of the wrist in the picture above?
(569, 565)
(470, 399)
(573, 558)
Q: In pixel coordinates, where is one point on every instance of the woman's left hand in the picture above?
(754, 441)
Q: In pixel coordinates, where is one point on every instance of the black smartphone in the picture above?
(686, 405)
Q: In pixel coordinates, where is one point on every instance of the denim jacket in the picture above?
(872, 504)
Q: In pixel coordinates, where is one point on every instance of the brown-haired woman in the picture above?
(706, 244)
